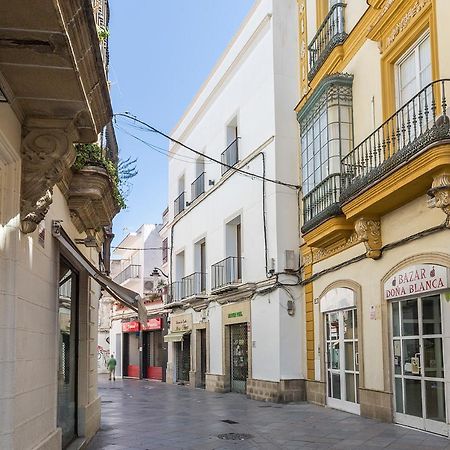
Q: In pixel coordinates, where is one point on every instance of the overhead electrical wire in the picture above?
(244, 172)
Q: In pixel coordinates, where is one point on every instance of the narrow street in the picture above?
(152, 415)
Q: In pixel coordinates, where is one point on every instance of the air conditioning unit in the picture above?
(290, 264)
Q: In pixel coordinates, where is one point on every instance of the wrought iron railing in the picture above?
(194, 284)
(179, 204)
(230, 156)
(330, 34)
(422, 121)
(322, 197)
(226, 272)
(131, 271)
(198, 186)
(175, 293)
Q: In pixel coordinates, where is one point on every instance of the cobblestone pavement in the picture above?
(151, 415)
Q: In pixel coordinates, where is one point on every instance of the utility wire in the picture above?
(244, 172)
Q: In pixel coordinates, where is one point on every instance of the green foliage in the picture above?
(93, 155)
(102, 33)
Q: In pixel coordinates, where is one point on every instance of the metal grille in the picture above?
(184, 358)
(239, 357)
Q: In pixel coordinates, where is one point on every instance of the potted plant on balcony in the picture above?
(94, 189)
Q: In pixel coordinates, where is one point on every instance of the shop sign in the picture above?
(181, 323)
(416, 280)
(130, 327)
(155, 323)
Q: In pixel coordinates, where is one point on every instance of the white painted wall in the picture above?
(256, 84)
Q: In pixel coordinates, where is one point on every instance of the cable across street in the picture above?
(244, 172)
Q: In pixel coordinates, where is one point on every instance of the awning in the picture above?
(123, 295)
(175, 337)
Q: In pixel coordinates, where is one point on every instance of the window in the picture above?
(326, 128)
(165, 250)
(230, 156)
(413, 70)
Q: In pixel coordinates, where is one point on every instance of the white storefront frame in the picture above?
(443, 290)
(338, 300)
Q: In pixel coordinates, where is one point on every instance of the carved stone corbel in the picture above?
(440, 194)
(368, 230)
(47, 153)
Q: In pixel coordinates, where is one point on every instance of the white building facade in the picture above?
(139, 350)
(235, 304)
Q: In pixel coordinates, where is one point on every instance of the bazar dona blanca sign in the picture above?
(415, 280)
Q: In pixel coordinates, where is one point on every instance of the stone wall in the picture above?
(280, 392)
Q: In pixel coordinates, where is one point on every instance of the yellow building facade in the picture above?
(375, 169)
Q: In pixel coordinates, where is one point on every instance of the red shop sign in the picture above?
(130, 327)
(155, 323)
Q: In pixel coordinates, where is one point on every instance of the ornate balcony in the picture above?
(198, 186)
(226, 273)
(230, 156)
(330, 34)
(322, 202)
(419, 123)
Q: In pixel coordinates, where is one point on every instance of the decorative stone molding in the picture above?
(47, 153)
(90, 199)
(369, 231)
(440, 194)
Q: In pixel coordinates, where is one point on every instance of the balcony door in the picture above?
(413, 72)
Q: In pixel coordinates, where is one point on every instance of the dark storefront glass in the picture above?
(68, 338)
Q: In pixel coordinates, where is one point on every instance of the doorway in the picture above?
(419, 363)
(183, 355)
(239, 357)
(68, 352)
(342, 360)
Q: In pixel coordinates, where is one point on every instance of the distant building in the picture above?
(139, 350)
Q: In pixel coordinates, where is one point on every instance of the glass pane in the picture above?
(397, 353)
(431, 313)
(433, 358)
(336, 385)
(395, 319)
(334, 326)
(350, 387)
(349, 360)
(348, 324)
(333, 355)
(411, 357)
(413, 397)
(398, 395)
(410, 321)
(435, 400)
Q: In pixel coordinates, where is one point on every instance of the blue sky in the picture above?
(161, 51)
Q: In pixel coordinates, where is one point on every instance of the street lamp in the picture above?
(157, 272)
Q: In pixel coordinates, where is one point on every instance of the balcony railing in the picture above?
(230, 156)
(330, 34)
(226, 272)
(179, 204)
(132, 271)
(194, 284)
(322, 198)
(420, 122)
(198, 186)
(175, 293)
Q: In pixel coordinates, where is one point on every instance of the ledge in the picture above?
(90, 198)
